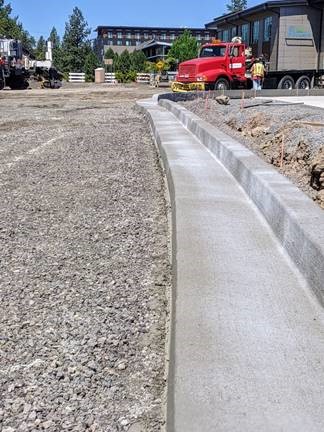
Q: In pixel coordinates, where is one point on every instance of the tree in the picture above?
(123, 63)
(40, 51)
(236, 5)
(110, 54)
(75, 46)
(90, 64)
(54, 38)
(10, 27)
(185, 47)
(138, 61)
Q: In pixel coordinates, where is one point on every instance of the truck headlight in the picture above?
(201, 78)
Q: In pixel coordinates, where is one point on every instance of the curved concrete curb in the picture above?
(295, 219)
(247, 335)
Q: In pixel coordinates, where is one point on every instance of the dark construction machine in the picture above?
(16, 68)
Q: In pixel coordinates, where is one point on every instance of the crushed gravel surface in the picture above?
(289, 137)
(84, 267)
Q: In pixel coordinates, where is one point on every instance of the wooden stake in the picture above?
(242, 100)
(282, 150)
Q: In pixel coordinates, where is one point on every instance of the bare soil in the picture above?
(289, 137)
(84, 264)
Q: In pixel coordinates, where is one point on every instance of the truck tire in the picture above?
(222, 84)
(286, 83)
(303, 83)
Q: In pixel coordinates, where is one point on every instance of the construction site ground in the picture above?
(84, 266)
(288, 136)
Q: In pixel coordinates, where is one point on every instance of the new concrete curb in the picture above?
(297, 222)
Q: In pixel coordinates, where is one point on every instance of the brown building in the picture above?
(120, 38)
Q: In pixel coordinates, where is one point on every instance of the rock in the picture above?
(122, 366)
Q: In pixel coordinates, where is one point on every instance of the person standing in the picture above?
(257, 72)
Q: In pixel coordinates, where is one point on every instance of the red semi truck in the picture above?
(224, 65)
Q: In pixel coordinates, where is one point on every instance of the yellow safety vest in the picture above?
(258, 70)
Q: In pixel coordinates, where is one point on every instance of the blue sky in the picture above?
(39, 16)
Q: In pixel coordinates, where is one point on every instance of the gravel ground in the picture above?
(84, 268)
(267, 130)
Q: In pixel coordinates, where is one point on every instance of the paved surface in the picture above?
(248, 335)
(316, 101)
(84, 265)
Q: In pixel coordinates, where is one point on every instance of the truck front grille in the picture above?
(187, 71)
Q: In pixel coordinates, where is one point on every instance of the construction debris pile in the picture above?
(289, 137)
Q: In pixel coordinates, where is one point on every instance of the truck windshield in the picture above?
(213, 51)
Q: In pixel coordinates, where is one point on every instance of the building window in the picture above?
(138, 43)
(233, 32)
(245, 33)
(110, 42)
(172, 36)
(226, 35)
(119, 35)
(163, 36)
(267, 29)
(138, 36)
(198, 36)
(110, 35)
(146, 35)
(207, 36)
(128, 43)
(119, 42)
(255, 32)
(129, 35)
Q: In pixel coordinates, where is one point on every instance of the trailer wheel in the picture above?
(222, 84)
(303, 83)
(286, 83)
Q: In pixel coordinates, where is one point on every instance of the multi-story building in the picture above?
(120, 38)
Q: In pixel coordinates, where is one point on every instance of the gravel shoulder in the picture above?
(289, 137)
(84, 270)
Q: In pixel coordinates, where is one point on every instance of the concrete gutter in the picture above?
(295, 219)
(247, 337)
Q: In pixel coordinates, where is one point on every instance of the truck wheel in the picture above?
(222, 84)
(286, 83)
(303, 83)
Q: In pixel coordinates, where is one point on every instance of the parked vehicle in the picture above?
(225, 65)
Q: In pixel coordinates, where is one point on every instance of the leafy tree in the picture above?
(138, 61)
(40, 51)
(185, 47)
(236, 5)
(90, 64)
(75, 45)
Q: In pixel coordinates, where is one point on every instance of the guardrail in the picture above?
(76, 77)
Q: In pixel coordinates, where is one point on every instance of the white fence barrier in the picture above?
(76, 77)
(110, 78)
(143, 78)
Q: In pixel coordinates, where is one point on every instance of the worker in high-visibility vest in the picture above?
(257, 72)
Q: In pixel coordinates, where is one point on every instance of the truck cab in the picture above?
(220, 66)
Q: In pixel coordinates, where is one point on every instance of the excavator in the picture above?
(16, 67)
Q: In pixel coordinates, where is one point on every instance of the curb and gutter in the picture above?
(247, 332)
